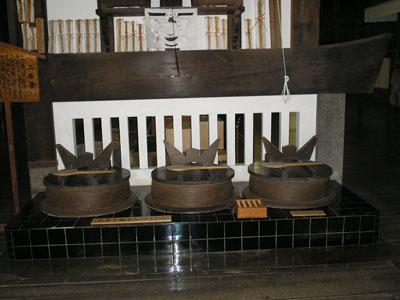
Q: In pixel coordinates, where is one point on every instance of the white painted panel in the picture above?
(65, 112)
(213, 131)
(142, 141)
(160, 136)
(186, 3)
(248, 138)
(183, 106)
(71, 9)
(89, 134)
(106, 134)
(212, 128)
(178, 132)
(155, 3)
(265, 130)
(284, 128)
(195, 125)
(124, 142)
(64, 128)
(230, 139)
(308, 122)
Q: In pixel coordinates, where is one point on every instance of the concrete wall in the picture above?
(330, 132)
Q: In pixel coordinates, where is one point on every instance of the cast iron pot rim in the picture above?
(122, 179)
(282, 179)
(201, 182)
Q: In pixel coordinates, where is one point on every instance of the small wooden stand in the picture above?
(307, 213)
(250, 209)
(131, 220)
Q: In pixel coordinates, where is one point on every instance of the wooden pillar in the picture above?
(12, 156)
(330, 132)
(235, 28)
(106, 27)
(305, 24)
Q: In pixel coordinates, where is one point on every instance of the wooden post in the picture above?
(11, 154)
(305, 24)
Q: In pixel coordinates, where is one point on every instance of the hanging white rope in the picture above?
(285, 90)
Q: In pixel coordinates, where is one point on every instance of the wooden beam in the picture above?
(139, 11)
(305, 24)
(382, 11)
(350, 67)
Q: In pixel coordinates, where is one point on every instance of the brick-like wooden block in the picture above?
(250, 209)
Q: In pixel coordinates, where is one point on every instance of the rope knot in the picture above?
(285, 91)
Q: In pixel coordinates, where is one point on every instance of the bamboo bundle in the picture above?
(33, 39)
(97, 45)
(92, 35)
(260, 23)
(133, 35)
(87, 35)
(52, 37)
(29, 39)
(21, 11)
(249, 33)
(224, 34)
(78, 36)
(126, 23)
(118, 24)
(69, 37)
(74, 36)
(141, 29)
(217, 32)
(208, 32)
(25, 36)
(61, 35)
(29, 11)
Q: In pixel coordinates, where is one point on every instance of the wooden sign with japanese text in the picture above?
(19, 75)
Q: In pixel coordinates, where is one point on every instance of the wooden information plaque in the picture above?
(19, 75)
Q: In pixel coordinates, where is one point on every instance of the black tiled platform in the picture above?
(34, 235)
